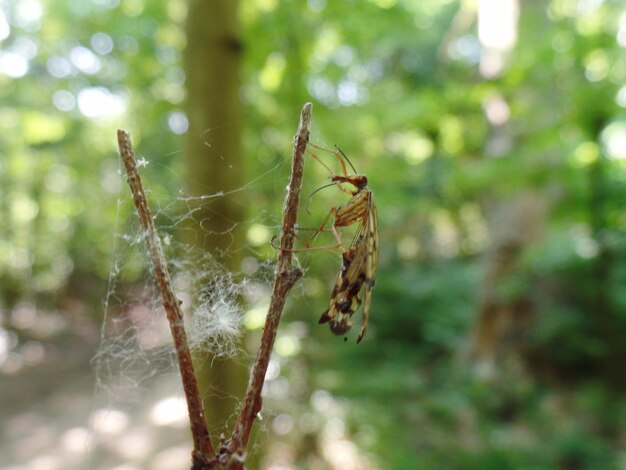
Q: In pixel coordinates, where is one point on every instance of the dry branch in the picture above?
(203, 453)
(232, 453)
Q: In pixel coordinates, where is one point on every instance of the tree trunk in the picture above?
(505, 311)
(212, 152)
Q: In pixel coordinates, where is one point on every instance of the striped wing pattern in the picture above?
(358, 265)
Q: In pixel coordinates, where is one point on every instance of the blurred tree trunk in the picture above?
(212, 152)
(505, 311)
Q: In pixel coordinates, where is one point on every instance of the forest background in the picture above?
(493, 134)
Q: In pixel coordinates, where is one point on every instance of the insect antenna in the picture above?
(313, 193)
(346, 159)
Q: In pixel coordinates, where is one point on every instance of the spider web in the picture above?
(136, 343)
(219, 304)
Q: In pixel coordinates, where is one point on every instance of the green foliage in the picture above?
(396, 84)
(417, 308)
(59, 167)
(420, 136)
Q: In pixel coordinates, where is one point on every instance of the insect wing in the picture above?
(345, 298)
(371, 263)
(357, 274)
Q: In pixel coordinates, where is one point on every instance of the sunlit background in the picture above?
(493, 134)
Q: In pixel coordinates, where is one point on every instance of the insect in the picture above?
(359, 260)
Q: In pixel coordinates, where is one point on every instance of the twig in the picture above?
(285, 276)
(203, 455)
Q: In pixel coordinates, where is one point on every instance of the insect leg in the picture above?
(333, 212)
(309, 247)
(337, 183)
(335, 153)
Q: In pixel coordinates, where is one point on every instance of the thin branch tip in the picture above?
(307, 110)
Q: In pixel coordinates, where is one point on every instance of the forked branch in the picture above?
(232, 453)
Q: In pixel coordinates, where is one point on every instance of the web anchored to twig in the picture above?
(232, 452)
